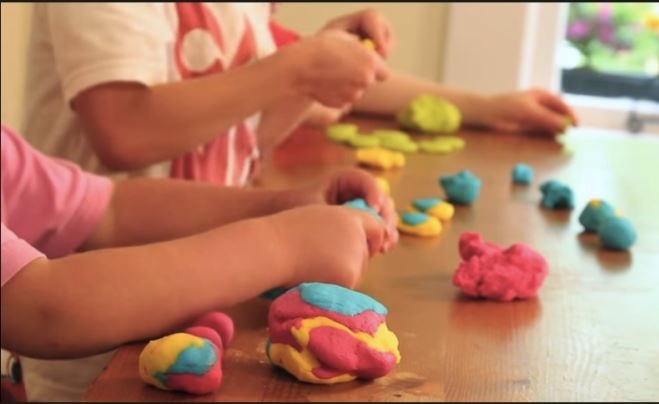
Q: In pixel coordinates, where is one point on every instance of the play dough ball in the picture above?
(522, 174)
(492, 272)
(433, 206)
(189, 361)
(595, 213)
(462, 188)
(378, 157)
(429, 113)
(419, 224)
(326, 334)
(341, 132)
(617, 233)
(556, 195)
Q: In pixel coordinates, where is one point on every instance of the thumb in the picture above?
(374, 232)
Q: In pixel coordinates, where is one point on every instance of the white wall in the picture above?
(15, 31)
(419, 28)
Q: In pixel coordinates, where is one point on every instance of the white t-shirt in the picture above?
(75, 46)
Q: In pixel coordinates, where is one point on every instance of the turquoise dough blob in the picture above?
(617, 233)
(556, 195)
(430, 114)
(522, 174)
(461, 188)
(360, 203)
(595, 214)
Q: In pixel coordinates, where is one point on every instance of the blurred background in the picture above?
(603, 56)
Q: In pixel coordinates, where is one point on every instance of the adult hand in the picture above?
(370, 24)
(534, 110)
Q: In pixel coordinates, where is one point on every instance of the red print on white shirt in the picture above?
(200, 50)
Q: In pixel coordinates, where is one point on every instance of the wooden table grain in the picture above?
(591, 334)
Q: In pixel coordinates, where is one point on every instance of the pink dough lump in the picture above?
(492, 272)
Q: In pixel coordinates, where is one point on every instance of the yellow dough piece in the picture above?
(442, 144)
(364, 141)
(419, 224)
(380, 158)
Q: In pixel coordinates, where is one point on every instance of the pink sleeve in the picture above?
(16, 253)
(48, 203)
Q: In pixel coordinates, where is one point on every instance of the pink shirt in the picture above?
(49, 206)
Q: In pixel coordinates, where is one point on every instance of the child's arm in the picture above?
(514, 111)
(147, 210)
(131, 125)
(91, 302)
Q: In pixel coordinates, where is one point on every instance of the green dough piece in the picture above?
(341, 132)
(391, 134)
(405, 146)
(442, 144)
(361, 141)
(430, 114)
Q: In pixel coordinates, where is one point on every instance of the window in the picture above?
(522, 45)
(612, 50)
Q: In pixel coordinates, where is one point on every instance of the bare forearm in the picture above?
(139, 205)
(134, 293)
(132, 126)
(280, 119)
(392, 95)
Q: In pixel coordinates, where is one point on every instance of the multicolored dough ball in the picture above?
(419, 224)
(325, 334)
(617, 233)
(492, 272)
(189, 361)
(522, 174)
(436, 207)
(595, 213)
(556, 195)
(341, 132)
(462, 188)
(430, 114)
(381, 158)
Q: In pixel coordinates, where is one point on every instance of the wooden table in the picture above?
(591, 334)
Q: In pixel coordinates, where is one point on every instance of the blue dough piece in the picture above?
(461, 188)
(595, 214)
(522, 174)
(413, 218)
(617, 233)
(339, 299)
(360, 203)
(556, 195)
(423, 204)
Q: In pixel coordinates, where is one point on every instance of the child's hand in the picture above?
(333, 67)
(329, 244)
(352, 183)
(370, 24)
(534, 110)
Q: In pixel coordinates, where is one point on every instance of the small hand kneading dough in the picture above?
(381, 158)
(419, 224)
(429, 113)
(189, 361)
(492, 272)
(325, 334)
